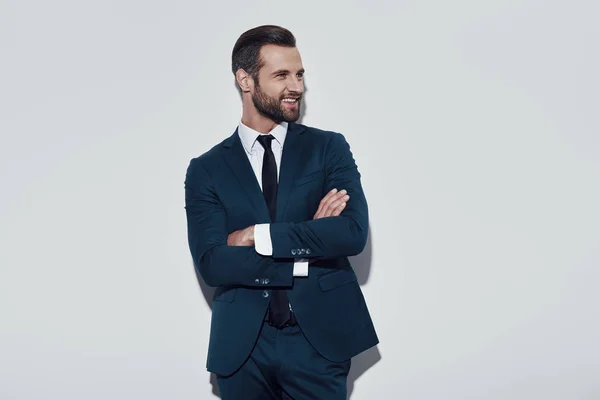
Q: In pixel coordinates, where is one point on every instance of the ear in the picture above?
(244, 80)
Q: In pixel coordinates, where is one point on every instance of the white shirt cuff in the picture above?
(262, 239)
(301, 267)
(264, 246)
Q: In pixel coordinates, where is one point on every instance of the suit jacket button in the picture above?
(265, 294)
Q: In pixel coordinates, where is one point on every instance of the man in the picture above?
(273, 213)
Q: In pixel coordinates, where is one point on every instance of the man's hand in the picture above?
(332, 204)
(243, 237)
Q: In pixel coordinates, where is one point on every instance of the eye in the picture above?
(282, 75)
(300, 74)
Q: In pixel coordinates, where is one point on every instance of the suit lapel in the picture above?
(293, 148)
(236, 158)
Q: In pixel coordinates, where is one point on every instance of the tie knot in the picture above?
(265, 141)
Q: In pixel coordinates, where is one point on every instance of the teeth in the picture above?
(290, 100)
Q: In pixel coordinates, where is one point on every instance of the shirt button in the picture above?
(265, 294)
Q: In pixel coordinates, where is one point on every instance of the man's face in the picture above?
(280, 86)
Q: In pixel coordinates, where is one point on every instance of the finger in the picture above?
(323, 202)
(325, 206)
(231, 239)
(329, 197)
(335, 202)
(338, 210)
(332, 199)
(332, 208)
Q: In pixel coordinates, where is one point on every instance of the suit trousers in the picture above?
(283, 365)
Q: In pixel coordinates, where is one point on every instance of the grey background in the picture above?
(474, 124)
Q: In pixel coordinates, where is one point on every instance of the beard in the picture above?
(273, 108)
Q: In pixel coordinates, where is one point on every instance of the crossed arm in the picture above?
(338, 228)
(331, 205)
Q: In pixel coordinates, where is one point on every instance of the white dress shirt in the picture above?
(255, 153)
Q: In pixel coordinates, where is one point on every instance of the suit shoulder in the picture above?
(210, 156)
(321, 134)
(325, 137)
(204, 166)
(311, 130)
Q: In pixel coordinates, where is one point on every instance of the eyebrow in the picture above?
(285, 71)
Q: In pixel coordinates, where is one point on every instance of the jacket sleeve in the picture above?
(218, 263)
(344, 235)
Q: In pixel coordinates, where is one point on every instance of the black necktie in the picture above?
(279, 309)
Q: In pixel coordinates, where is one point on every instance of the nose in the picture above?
(296, 85)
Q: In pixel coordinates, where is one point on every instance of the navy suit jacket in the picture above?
(222, 195)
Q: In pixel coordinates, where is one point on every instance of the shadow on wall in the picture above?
(365, 360)
(208, 293)
(362, 362)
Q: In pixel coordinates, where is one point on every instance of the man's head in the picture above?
(268, 70)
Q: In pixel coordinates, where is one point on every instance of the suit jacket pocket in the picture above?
(336, 279)
(224, 294)
(308, 178)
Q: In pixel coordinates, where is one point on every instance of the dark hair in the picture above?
(246, 51)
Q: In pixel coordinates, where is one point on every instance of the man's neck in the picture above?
(259, 123)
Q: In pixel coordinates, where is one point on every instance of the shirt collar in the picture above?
(248, 135)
